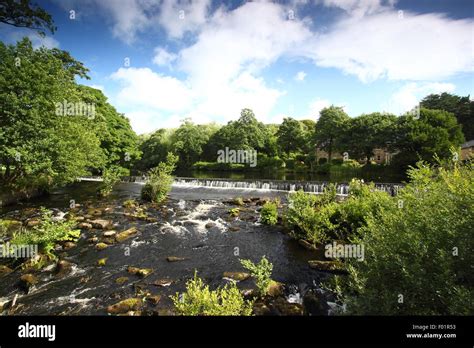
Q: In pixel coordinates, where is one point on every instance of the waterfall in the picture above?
(342, 189)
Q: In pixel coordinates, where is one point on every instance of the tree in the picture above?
(291, 136)
(188, 142)
(330, 128)
(461, 107)
(367, 132)
(22, 14)
(42, 145)
(154, 148)
(436, 132)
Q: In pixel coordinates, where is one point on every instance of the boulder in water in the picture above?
(307, 245)
(63, 268)
(4, 270)
(101, 224)
(143, 272)
(121, 280)
(124, 306)
(327, 266)
(120, 237)
(175, 259)
(101, 246)
(239, 276)
(27, 281)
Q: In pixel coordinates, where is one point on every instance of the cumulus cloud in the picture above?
(408, 96)
(163, 57)
(383, 45)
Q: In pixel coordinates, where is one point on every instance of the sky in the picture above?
(160, 62)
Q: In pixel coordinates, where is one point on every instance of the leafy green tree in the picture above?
(261, 272)
(23, 14)
(154, 148)
(160, 180)
(330, 128)
(40, 146)
(436, 132)
(461, 107)
(367, 132)
(291, 136)
(188, 142)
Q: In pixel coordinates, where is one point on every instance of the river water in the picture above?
(193, 224)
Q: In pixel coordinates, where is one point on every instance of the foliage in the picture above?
(329, 129)
(159, 180)
(47, 233)
(269, 213)
(261, 272)
(200, 300)
(291, 136)
(23, 14)
(421, 249)
(234, 212)
(461, 107)
(218, 166)
(110, 176)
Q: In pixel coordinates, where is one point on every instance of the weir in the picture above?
(260, 184)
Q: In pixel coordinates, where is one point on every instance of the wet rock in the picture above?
(108, 240)
(313, 304)
(163, 282)
(143, 272)
(85, 279)
(27, 281)
(121, 280)
(4, 270)
(239, 276)
(84, 226)
(69, 245)
(101, 224)
(307, 245)
(101, 246)
(286, 308)
(210, 225)
(63, 268)
(109, 233)
(79, 218)
(327, 266)
(124, 306)
(234, 228)
(151, 219)
(94, 212)
(260, 308)
(175, 258)
(154, 299)
(93, 240)
(275, 289)
(120, 237)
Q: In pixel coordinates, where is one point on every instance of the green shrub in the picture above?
(160, 180)
(201, 165)
(200, 300)
(337, 161)
(261, 272)
(269, 213)
(47, 234)
(420, 248)
(110, 176)
(351, 163)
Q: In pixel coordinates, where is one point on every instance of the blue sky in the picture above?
(209, 59)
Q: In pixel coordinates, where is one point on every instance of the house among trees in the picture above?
(467, 150)
(380, 156)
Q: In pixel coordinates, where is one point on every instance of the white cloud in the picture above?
(359, 8)
(300, 76)
(163, 57)
(382, 45)
(37, 40)
(179, 17)
(409, 95)
(143, 87)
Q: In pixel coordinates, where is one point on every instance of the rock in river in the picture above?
(120, 237)
(4, 270)
(175, 258)
(326, 266)
(101, 224)
(124, 306)
(143, 272)
(63, 268)
(101, 246)
(27, 281)
(239, 276)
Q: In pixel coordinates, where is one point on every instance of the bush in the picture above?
(420, 249)
(160, 180)
(261, 272)
(218, 166)
(199, 300)
(337, 161)
(269, 213)
(110, 176)
(351, 163)
(47, 234)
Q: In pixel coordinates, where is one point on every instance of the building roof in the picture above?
(470, 143)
